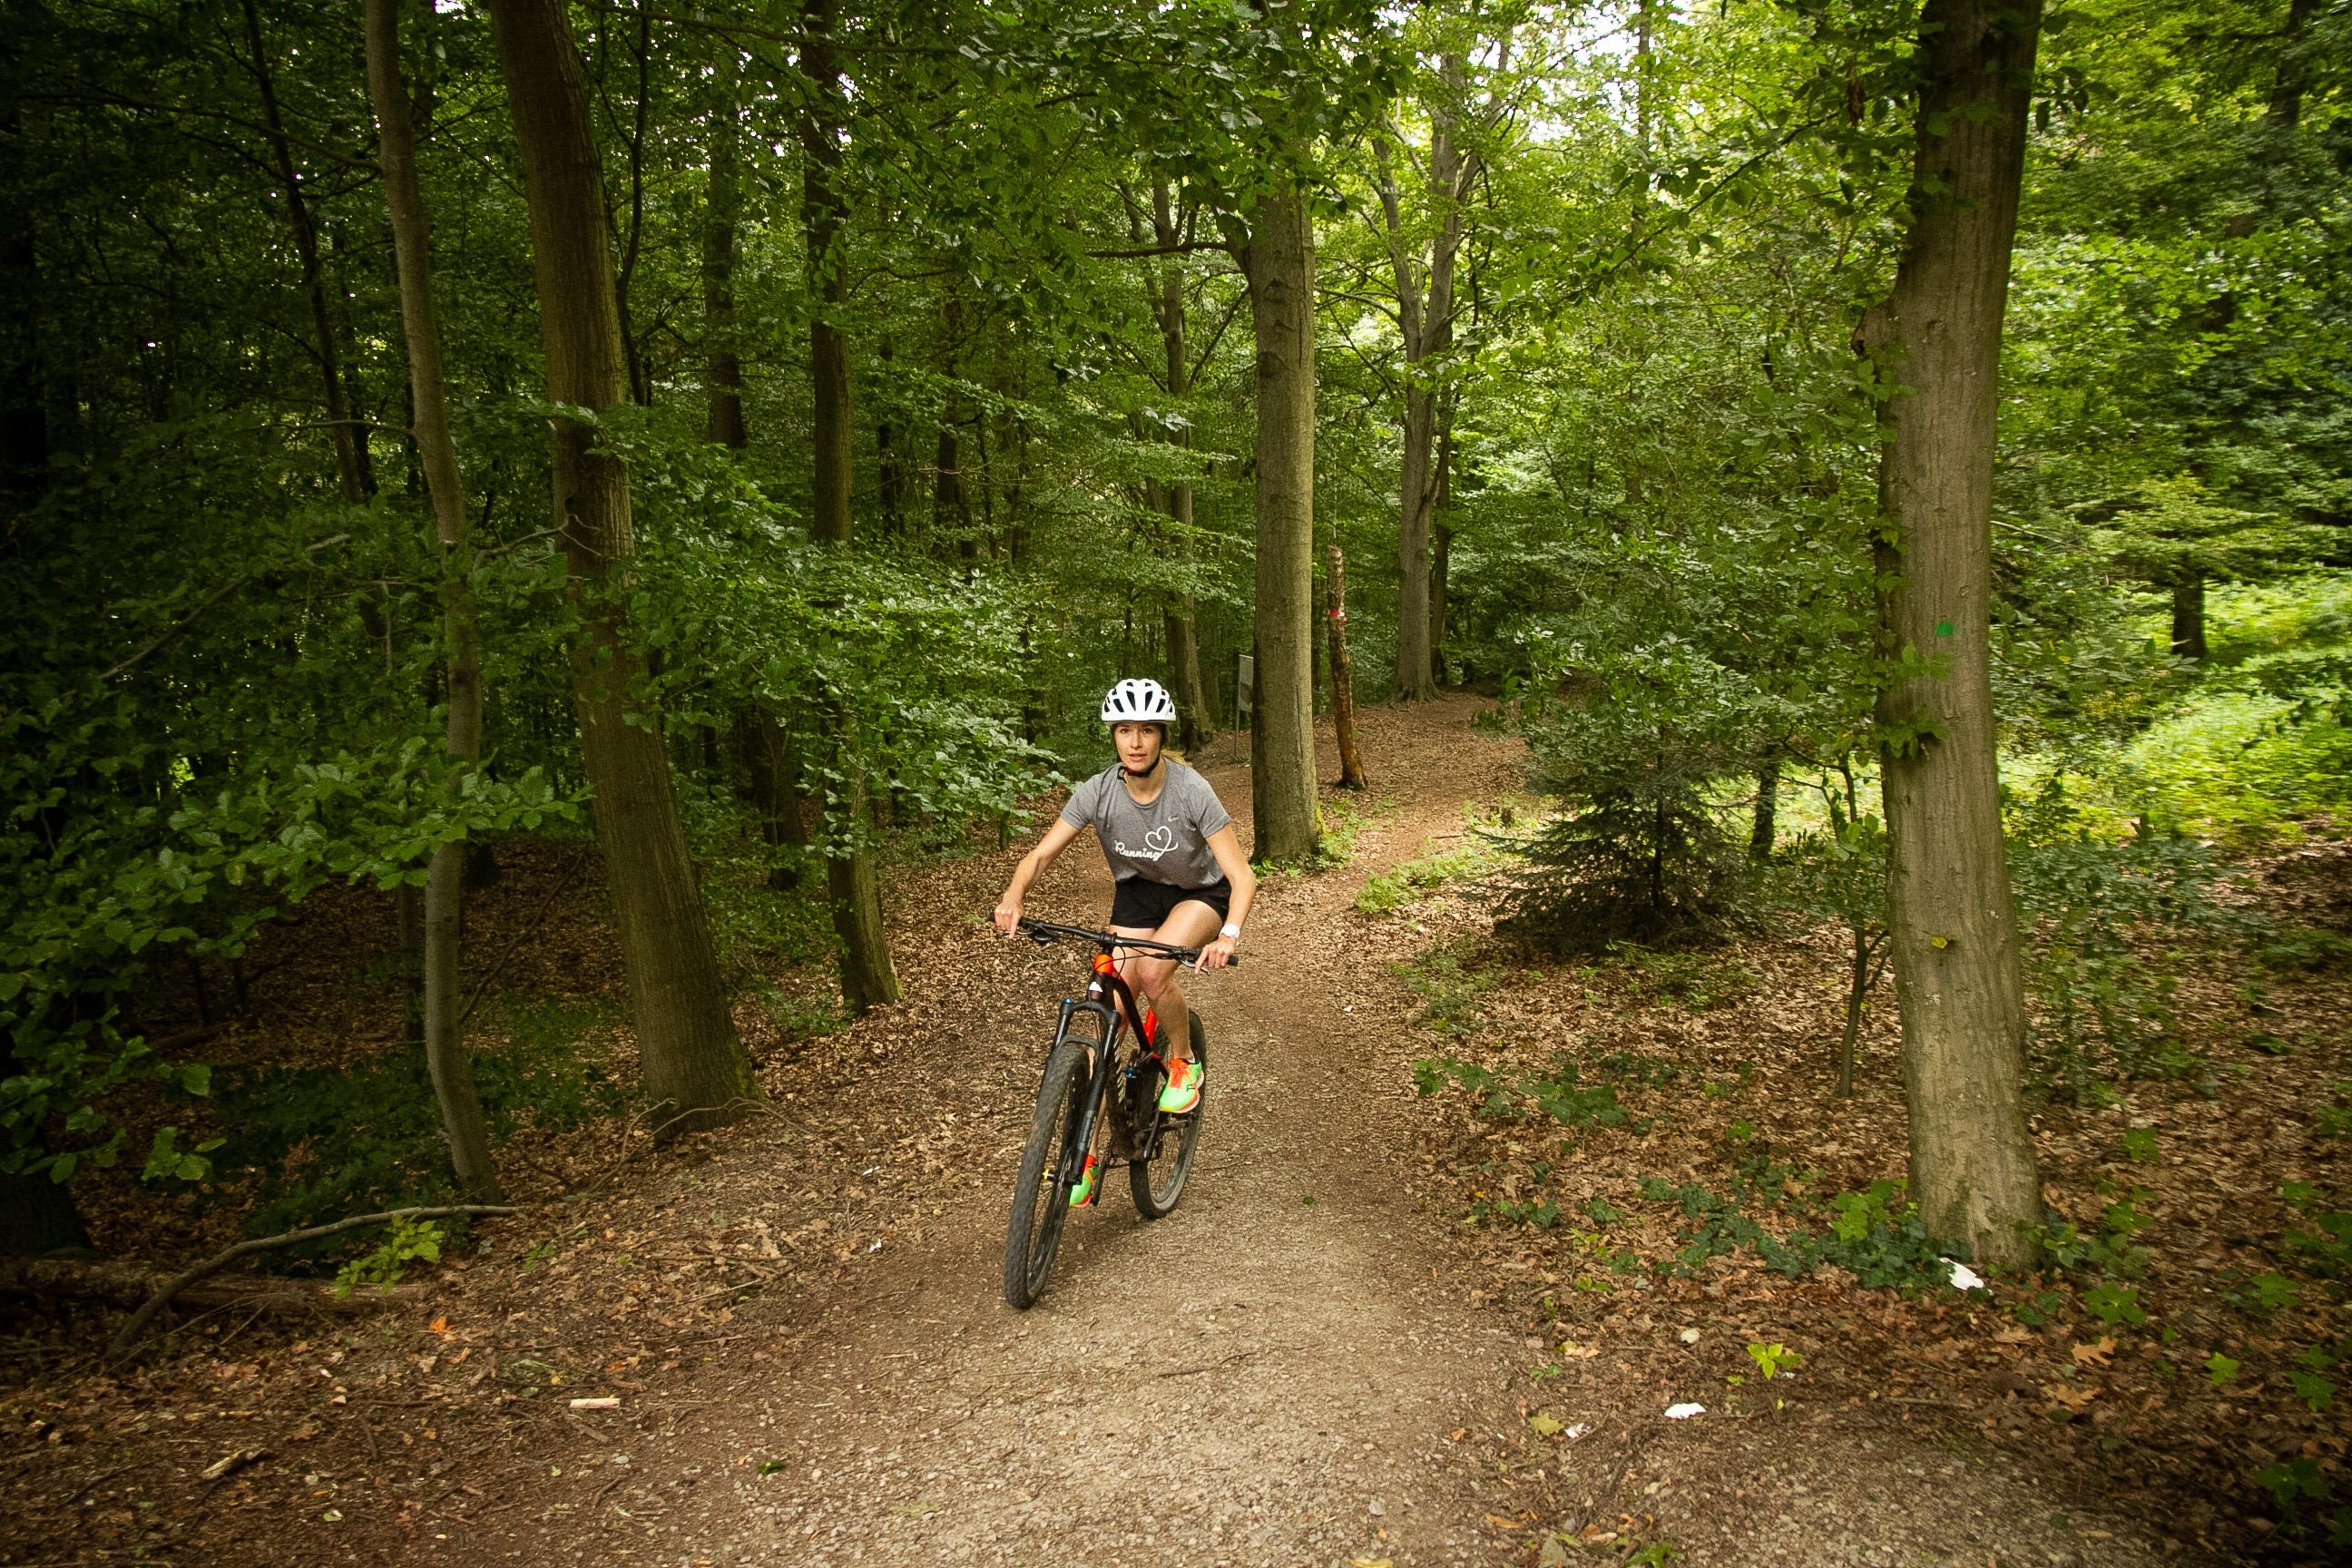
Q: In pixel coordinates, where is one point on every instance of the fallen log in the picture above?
(129, 1334)
(130, 1284)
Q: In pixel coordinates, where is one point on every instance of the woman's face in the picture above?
(1139, 745)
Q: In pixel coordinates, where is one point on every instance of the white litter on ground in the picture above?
(1684, 1412)
(1965, 1277)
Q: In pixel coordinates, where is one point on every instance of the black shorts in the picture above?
(1145, 906)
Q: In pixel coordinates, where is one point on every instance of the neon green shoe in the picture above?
(1084, 1192)
(1183, 1088)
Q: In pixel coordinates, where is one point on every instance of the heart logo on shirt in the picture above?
(1160, 840)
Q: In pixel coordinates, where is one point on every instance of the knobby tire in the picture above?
(1160, 1185)
(1041, 1197)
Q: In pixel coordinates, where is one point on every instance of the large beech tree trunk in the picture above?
(694, 1068)
(1196, 717)
(446, 1057)
(1278, 261)
(1954, 925)
(852, 880)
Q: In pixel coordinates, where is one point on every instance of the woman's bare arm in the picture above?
(1032, 865)
(1226, 846)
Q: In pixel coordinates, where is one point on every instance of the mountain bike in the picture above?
(1099, 1107)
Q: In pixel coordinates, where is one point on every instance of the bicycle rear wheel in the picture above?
(1159, 1182)
(1041, 1196)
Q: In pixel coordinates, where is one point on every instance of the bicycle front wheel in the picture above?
(1159, 1182)
(1049, 1171)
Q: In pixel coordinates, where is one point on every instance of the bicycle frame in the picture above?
(1109, 999)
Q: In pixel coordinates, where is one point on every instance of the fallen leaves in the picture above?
(2070, 1398)
(2094, 1355)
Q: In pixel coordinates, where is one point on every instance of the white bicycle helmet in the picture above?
(1133, 701)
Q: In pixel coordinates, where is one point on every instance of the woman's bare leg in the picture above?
(1189, 924)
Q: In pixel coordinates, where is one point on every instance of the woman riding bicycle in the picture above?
(1180, 875)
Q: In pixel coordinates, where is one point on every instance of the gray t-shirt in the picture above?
(1167, 841)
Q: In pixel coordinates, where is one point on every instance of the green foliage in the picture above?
(2113, 1303)
(1639, 854)
(2293, 1481)
(166, 1160)
(2103, 1005)
(2335, 1121)
(1772, 1360)
(1555, 1095)
(101, 889)
(1450, 986)
(307, 1145)
(2108, 1248)
(411, 1241)
(1872, 1233)
(1394, 890)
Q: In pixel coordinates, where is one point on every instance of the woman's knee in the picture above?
(1144, 976)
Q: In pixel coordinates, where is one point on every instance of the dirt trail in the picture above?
(792, 1334)
(1268, 1376)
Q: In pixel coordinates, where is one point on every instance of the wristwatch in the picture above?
(1232, 932)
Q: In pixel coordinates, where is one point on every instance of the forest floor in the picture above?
(1362, 1339)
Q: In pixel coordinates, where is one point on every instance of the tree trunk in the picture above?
(1416, 493)
(1857, 993)
(696, 1072)
(1278, 262)
(2188, 616)
(722, 359)
(852, 880)
(2292, 66)
(25, 385)
(824, 210)
(1426, 318)
(773, 766)
(867, 978)
(1196, 719)
(1343, 670)
(1953, 923)
(1444, 546)
(638, 377)
(951, 508)
(1196, 716)
(1763, 825)
(354, 472)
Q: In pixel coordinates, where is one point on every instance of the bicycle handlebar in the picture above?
(1043, 932)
